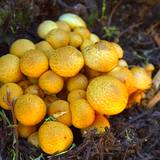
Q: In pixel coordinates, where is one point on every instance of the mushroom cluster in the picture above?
(70, 78)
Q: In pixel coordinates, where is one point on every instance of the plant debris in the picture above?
(134, 134)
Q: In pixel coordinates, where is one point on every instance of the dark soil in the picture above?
(135, 24)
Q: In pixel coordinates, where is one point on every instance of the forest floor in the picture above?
(135, 25)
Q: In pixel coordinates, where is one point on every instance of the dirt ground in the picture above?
(135, 25)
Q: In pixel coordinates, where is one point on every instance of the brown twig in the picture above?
(152, 28)
(10, 103)
(154, 100)
(125, 154)
(113, 12)
(129, 29)
(156, 80)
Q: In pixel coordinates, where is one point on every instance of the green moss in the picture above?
(110, 32)
(3, 16)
